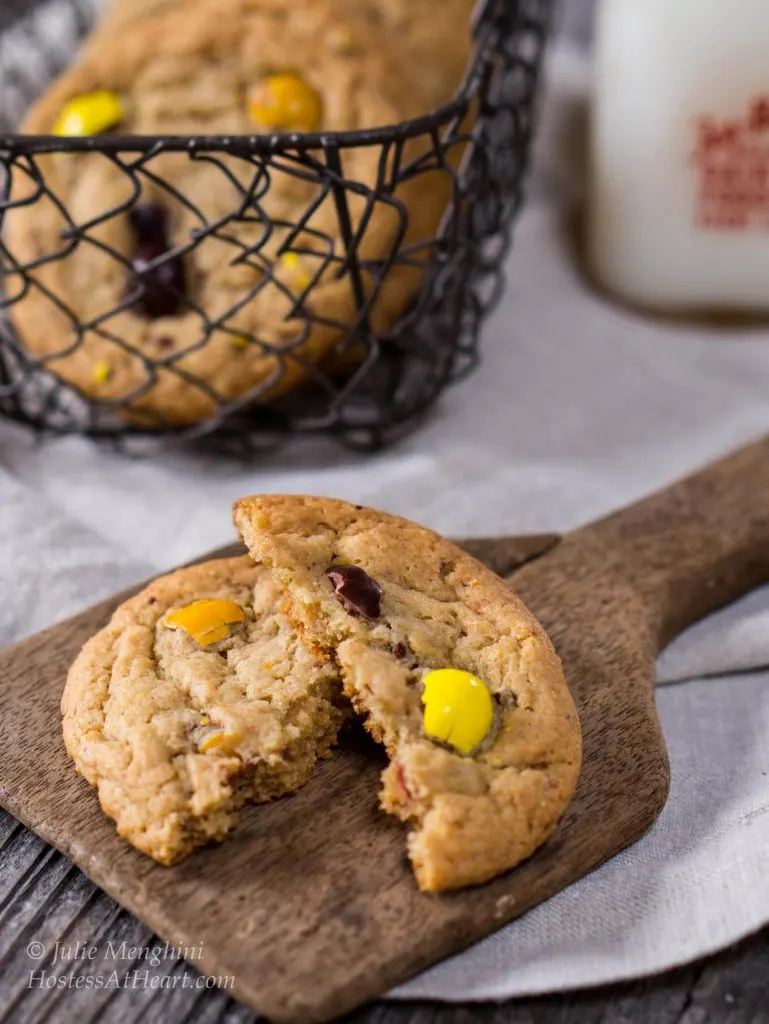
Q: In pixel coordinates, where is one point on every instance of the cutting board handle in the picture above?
(697, 545)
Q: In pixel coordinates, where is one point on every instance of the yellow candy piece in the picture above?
(90, 114)
(214, 740)
(102, 372)
(286, 102)
(458, 708)
(299, 277)
(206, 621)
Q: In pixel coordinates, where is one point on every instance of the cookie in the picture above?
(179, 712)
(121, 13)
(126, 298)
(437, 36)
(436, 33)
(449, 670)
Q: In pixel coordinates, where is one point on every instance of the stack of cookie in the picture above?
(167, 284)
(224, 683)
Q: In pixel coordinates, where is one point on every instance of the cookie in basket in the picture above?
(121, 13)
(166, 284)
(197, 698)
(435, 32)
(449, 670)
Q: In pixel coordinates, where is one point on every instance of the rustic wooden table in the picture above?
(43, 898)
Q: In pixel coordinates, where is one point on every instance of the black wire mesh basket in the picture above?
(350, 353)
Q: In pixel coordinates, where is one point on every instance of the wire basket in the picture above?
(377, 377)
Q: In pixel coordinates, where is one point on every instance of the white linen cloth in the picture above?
(580, 407)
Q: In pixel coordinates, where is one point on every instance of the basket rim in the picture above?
(18, 144)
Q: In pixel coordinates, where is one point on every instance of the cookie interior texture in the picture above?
(472, 816)
(249, 322)
(176, 737)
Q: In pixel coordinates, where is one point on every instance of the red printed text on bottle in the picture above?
(731, 160)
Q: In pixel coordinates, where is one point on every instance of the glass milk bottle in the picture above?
(678, 216)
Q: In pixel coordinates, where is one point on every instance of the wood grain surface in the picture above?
(43, 898)
(311, 906)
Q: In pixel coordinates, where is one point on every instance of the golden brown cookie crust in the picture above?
(473, 816)
(191, 74)
(176, 737)
(431, 31)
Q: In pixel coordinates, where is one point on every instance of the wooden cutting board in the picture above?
(311, 904)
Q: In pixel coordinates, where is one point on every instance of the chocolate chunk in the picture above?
(401, 651)
(163, 288)
(358, 593)
(150, 224)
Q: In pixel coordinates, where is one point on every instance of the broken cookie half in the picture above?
(446, 667)
(195, 699)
